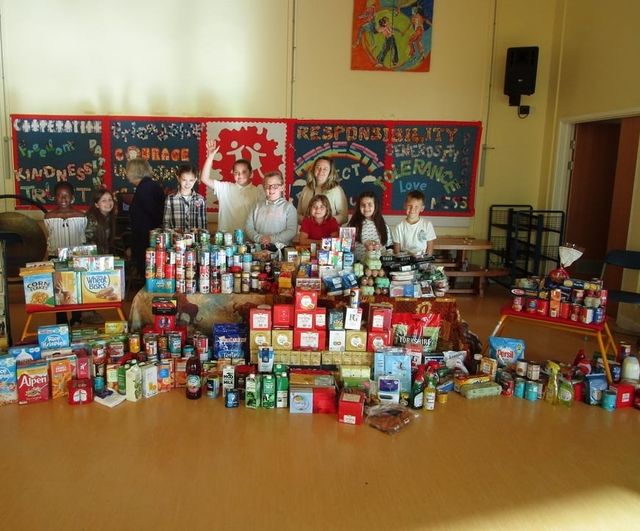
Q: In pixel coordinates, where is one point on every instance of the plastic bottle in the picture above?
(417, 389)
(565, 392)
(631, 369)
(430, 393)
(194, 383)
(551, 392)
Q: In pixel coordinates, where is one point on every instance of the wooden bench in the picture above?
(479, 275)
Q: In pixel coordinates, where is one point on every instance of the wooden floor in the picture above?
(170, 463)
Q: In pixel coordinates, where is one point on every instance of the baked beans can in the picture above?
(542, 306)
(565, 310)
(521, 368)
(518, 303)
(586, 315)
(533, 371)
(190, 286)
(575, 312)
(532, 304)
(213, 386)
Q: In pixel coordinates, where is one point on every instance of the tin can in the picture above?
(204, 285)
(518, 303)
(189, 272)
(354, 298)
(174, 343)
(151, 346)
(213, 386)
(577, 296)
(255, 281)
(236, 260)
(599, 315)
(609, 400)
(245, 282)
(533, 371)
(98, 384)
(169, 271)
(204, 270)
(542, 307)
(215, 283)
(616, 371)
(180, 273)
(518, 388)
(521, 368)
(189, 258)
(153, 237)
(163, 342)
(218, 238)
(531, 390)
(443, 397)
(508, 386)
(238, 236)
(226, 283)
(204, 237)
(134, 343)
(237, 283)
(181, 285)
(575, 312)
(586, 315)
(190, 286)
(204, 257)
(150, 258)
(625, 350)
(532, 304)
(604, 295)
(565, 310)
(180, 245)
(232, 398)
(228, 239)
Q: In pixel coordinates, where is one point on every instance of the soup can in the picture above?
(238, 236)
(218, 239)
(609, 400)
(565, 310)
(599, 315)
(542, 306)
(532, 304)
(533, 371)
(518, 388)
(518, 303)
(226, 283)
(531, 391)
(190, 286)
(575, 312)
(586, 315)
(521, 368)
(228, 239)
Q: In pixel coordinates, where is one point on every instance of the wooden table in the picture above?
(593, 330)
(458, 266)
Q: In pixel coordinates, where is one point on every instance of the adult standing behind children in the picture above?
(273, 221)
(323, 179)
(101, 222)
(185, 209)
(146, 209)
(414, 234)
(235, 200)
(65, 228)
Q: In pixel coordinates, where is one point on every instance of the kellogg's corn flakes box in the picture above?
(38, 291)
(8, 380)
(101, 287)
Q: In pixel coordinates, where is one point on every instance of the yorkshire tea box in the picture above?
(67, 287)
(38, 291)
(101, 287)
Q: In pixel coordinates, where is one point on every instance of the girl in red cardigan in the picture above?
(319, 222)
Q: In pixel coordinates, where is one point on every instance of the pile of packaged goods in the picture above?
(83, 277)
(192, 263)
(569, 299)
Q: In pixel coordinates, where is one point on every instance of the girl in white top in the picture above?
(235, 200)
(65, 228)
(323, 180)
(372, 233)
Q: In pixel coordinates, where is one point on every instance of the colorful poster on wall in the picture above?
(356, 148)
(262, 142)
(165, 142)
(391, 35)
(48, 149)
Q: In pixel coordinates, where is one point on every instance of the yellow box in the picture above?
(305, 357)
(316, 358)
(356, 340)
(259, 338)
(294, 357)
(66, 287)
(101, 287)
(347, 358)
(282, 339)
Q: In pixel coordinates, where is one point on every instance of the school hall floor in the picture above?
(171, 463)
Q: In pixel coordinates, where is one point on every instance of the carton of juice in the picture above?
(33, 382)
(149, 380)
(165, 375)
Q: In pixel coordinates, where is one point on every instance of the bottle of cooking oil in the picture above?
(430, 392)
(551, 392)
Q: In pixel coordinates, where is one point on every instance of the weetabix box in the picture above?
(38, 291)
(100, 287)
(67, 287)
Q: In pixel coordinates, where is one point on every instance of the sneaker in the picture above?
(92, 317)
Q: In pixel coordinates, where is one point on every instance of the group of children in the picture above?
(263, 212)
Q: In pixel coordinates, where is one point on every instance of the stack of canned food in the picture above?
(198, 265)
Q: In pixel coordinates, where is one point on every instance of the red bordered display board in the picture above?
(389, 158)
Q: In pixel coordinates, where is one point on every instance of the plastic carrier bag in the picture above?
(390, 418)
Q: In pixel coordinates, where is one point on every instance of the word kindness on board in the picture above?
(388, 158)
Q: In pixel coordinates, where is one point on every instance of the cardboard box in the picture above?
(61, 371)
(356, 340)
(66, 287)
(260, 318)
(253, 391)
(33, 382)
(282, 339)
(8, 380)
(337, 340)
(379, 319)
(180, 372)
(389, 389)
(25, 352)
(353, 318)
(149, 380)
(165, 375)
(309, 340)
(38, 291)
(53, 336)
(301, 400)
(378, 340)
(134, 383)
(351, 408)
(283, 316)
(259, 338)
(335, 319)
(624, 394)
(306, 300)
(160, 285)
(320, 318)
(80, 391)
(393, 363)
(100, 287)
(305, 320)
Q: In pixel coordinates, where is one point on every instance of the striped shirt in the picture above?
(185, 213)
(64, 232)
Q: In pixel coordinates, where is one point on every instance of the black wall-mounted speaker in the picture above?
(520, 72)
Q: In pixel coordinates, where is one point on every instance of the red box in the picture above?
(83, 367)
(351, 408)
(320, 320)
(260, 319)
(306, 300)
(624, 394)
(379, 319)
(324, 400)
(309, 340)
(377, 340)
(305, 321)
(283, 316)
(80, 392)
(164, 322)
(33, 381)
